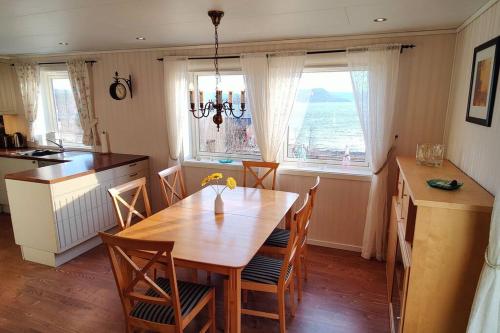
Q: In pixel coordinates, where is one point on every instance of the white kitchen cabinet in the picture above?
(64, 218)
(8, 88)
(12, 165)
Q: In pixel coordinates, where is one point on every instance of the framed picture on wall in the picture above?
(483, 83)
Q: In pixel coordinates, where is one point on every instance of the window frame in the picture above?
(194, 130)
(49, 109)
(319, 162)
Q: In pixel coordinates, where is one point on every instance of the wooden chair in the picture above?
(303, 246)
(267, 274)
(161, 304)
(248, 167)
(139, 185)
(278, 240)
(172, 192)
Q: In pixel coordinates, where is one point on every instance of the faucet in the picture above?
(60, 145)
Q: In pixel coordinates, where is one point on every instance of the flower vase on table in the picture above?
(214, 181)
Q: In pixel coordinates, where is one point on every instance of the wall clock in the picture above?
(118, 90)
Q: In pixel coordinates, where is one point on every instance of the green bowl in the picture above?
(445, 184)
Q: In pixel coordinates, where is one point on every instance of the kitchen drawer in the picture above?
(132, 175)
(130, 168)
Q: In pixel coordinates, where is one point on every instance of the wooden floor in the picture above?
(344, 294)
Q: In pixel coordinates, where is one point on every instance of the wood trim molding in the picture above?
(334, 245)
(478, 13)
(209, 47)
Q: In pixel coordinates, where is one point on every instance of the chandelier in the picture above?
(218, 105)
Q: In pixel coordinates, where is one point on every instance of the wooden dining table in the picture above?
(220, 243)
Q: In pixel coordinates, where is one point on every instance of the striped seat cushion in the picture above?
(264, 269)
(278, 238)
(189, 294)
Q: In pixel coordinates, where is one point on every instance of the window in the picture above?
(236, 137)
(324, 125)
(57, 113)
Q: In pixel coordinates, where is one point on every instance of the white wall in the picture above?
(138, 125)
(473, 148)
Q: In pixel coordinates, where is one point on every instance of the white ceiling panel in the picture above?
(37, 26)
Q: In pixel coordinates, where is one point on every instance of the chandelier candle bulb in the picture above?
(191, 96)
(230, 97)
(201, 98)
(243, 97)
(218, 96)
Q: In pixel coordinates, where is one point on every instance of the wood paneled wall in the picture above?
(474, 148)
(138, 125)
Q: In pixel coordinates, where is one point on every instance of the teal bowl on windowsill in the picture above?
(226, 161)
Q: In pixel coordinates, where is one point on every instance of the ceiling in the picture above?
(37, 26)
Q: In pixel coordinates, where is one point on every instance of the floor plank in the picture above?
(345, 293)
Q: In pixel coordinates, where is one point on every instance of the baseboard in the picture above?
(334, 245)
(5, 209)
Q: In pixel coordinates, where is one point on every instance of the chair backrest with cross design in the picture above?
(175, 189)
(131, 274)
(137, 187)
(249, 166)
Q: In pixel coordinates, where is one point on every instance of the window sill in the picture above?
(208, 164)
(327, 171)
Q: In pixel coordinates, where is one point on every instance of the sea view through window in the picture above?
(324, 124)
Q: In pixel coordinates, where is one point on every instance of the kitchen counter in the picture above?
(72, 164)
(59, 203)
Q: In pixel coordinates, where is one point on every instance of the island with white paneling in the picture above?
(58, 209)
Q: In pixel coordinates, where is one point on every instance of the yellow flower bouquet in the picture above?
(214, 180)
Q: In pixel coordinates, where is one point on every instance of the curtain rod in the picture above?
(404, 46)
(62, 62)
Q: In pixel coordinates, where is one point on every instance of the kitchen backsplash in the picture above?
(15, 123)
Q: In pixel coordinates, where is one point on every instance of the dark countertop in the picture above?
(72, 164)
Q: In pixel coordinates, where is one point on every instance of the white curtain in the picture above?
(79, 77)
(374, 73)
(271, 82)
(175, 76)
(29, 81)
(485, 313)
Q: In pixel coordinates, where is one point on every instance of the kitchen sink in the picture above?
(37, 152)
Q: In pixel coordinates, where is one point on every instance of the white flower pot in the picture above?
(218, 205)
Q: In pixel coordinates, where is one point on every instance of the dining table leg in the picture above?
(234, 300)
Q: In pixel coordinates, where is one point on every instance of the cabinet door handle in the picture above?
(133, 175)
(132, 165)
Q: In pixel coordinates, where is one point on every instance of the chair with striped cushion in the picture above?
(303, 247)
(277, 241)
(162, 304)
(266, 274)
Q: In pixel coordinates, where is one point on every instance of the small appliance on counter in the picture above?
(19, 140)
(5, 141)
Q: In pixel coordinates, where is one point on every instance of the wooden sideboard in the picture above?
(435, 249)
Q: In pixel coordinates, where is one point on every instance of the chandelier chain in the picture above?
(216, 57)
